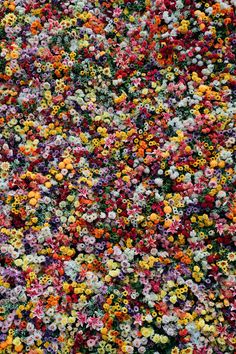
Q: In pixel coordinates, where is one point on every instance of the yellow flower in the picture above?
(101, 351)
(114, 273)
(173, 299)
(126, 178)
(33, 201)
(147, 331)
(16, 341)
(5, 166)
(156, 338)
(145, 91)
(120, 98)
(231, 256)
(83, 298)
(9, 19)
(164, 339)
(153, 217)
(59, 176)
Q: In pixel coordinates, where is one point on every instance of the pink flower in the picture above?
(82, 318)
(138, 319)
(232, 229)
(136, 81)
(171, 87)
(174, 226)
(38, 310)
(117, 12)
(94, 323)
(134, 210)
(91, 342)
(198, 188)
(220, 228)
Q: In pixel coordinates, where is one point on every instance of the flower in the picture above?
(116, 172)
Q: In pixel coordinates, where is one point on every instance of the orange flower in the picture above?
(202, 26)
(143, 144)
(52, 301)
(215, 8)
(60, 339)
(227, 21)
(140, 152)
(105, 317)
(35, 27)
(185, 259)
(57, 73)
(178, 254)
(19, 348)
(11, 6)
(109, 301)
(110, 251)
(98, 233)
(95, 24)
(90, 266)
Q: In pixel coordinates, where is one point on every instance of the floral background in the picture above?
(117, 176)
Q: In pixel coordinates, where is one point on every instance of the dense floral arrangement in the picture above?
(117, 175)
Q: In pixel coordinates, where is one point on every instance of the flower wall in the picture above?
(117, 177)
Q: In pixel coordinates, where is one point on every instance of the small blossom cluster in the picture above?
(117, 177)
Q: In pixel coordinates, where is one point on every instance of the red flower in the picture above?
(183, 332)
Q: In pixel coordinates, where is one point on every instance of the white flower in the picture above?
(165, 319)
(148, 318)
(221, 194)
(158, 197)
(225, 154)
(112, 215)
(158, 181)
(170, 330)
(136, 342)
